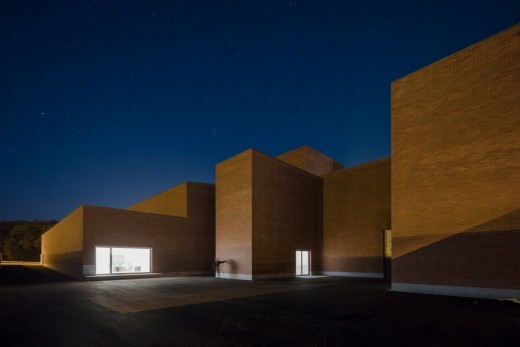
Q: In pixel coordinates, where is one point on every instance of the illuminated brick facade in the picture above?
(444, 209)
(268, 208)
(356, 212)
(178, 225)
(456, 171)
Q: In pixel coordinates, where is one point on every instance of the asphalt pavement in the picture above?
(39, 307)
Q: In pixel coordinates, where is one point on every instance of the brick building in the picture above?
(265, 216)
(300, 212)
(456, 172)
(172, 232)
(442, 215)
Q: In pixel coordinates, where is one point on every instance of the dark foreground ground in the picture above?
(41, 308)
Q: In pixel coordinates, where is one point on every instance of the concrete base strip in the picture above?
(89, 270)
(137, 275)
(354, 274)
(473, 292)
(245, 277)
(122, 276)
(248, 277)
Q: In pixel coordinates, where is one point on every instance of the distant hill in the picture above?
(20, 240)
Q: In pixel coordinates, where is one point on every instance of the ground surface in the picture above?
(39, 307)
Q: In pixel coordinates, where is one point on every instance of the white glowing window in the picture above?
(119, 260)
(102, 260)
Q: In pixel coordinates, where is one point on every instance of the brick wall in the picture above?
(287, 215)
(456, 165)
(62, 245)
(172, 202)
(266, 209)
(356, 213)
(177, 247)
(234, 219)
(182, 245)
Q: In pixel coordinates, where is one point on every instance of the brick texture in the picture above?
(62, 245)
(456, 166)
(356, 205)
(183, 245)
(266, 210)
(172, 202)
(234, 215)
(287, 215)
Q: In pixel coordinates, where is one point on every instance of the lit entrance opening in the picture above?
(303, 263)
(119, 260)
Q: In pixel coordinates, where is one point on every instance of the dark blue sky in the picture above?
(109, 102)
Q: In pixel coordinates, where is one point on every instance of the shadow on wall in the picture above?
(231, 266)
(366, 264)
(487, 259)
(409, 244)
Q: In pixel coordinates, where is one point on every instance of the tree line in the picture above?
(21, 240)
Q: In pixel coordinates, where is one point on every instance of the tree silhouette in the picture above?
(23, 242)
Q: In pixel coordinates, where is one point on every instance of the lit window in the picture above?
(119, 260)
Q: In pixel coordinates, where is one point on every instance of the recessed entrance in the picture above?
(303, 263)
(388, 254)
(120, 260)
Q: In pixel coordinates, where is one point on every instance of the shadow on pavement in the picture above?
(204, 311)
(15, 275)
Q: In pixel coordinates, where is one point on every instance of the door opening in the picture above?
(303, 263)
(388, 254)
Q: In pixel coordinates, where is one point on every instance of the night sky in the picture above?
(110, 102)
